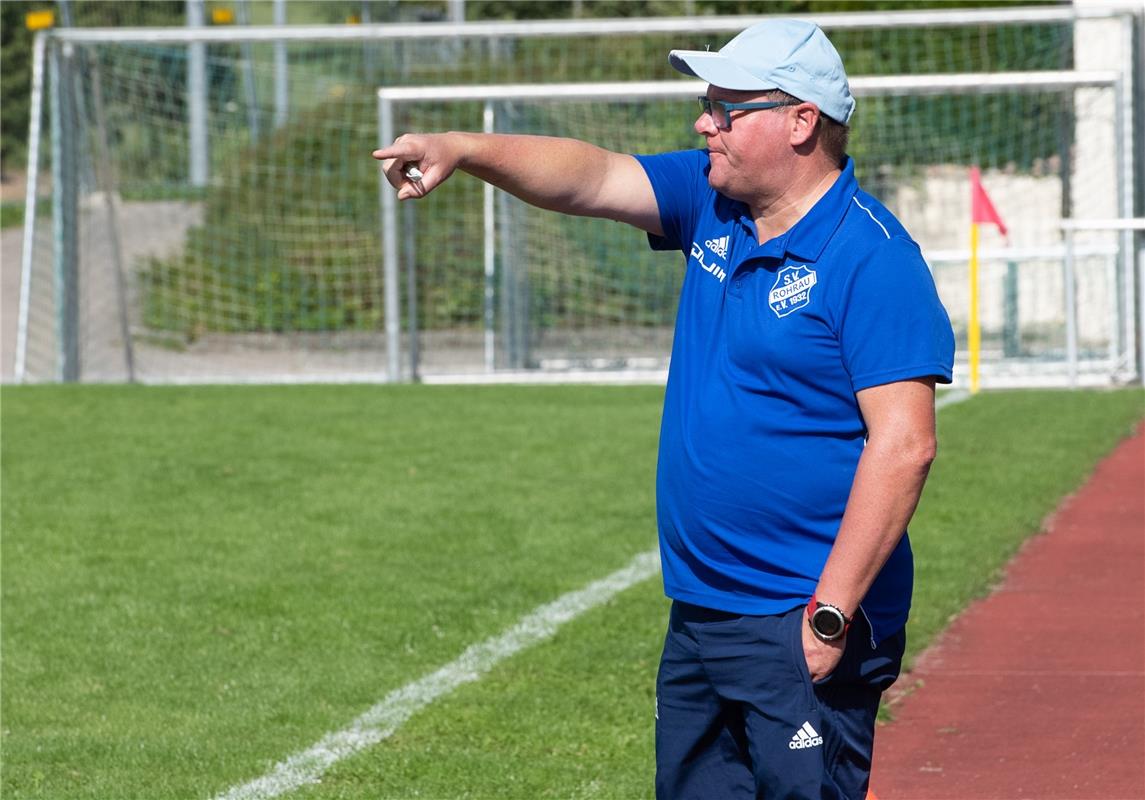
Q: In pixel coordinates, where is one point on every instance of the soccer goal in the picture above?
(550, 293)
(211, 211)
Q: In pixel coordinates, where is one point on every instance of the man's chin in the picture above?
(719, 182)
(717, 178)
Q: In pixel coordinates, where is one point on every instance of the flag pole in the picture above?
(981, 210)
(974, 333)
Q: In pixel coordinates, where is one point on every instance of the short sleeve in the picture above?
(893, 326)
(678, 179)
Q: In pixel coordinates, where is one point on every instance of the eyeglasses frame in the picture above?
(706, 104)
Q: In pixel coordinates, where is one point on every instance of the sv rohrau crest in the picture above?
(792, 289)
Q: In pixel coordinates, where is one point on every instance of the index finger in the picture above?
(393, 151)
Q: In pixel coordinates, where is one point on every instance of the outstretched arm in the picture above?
(564, 175)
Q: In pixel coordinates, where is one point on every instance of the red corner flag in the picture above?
(981, 209)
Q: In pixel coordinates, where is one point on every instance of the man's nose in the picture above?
(705, 125)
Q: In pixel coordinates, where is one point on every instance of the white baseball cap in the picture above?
(791, 55)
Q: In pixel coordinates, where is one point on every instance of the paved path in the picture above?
(1038, 691)
(155, 228)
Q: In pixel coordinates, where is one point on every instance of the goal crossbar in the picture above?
(955, 83)
(598, 27)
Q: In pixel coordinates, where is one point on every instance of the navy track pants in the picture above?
(738, 716)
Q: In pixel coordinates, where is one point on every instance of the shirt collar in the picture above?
(806, 239)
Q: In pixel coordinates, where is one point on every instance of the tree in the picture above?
(15, 81)
(16, 55)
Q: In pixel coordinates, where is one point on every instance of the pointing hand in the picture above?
(415, 164)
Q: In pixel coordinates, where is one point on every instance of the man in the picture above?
(798, 422)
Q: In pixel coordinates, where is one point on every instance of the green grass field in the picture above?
(198, 582)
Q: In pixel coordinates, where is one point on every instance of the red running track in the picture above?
(1038, 691)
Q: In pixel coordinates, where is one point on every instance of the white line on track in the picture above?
(381, 721)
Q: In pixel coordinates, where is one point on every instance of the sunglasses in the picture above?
(720, 111)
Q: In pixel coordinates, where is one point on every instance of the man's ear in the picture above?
(805, 121)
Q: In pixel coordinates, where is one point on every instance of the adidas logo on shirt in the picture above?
(719, 246)
(805, 737)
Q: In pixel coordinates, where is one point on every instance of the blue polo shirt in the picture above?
(761, 432)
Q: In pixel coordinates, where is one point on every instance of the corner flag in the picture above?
(981, 210)
(981, 207)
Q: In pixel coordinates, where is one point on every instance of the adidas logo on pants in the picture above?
(805, 737)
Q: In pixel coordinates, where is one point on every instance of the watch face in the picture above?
(827, 623)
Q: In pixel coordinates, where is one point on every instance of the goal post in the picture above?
(1127, 227)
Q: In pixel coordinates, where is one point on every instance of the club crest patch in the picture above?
(792, 289)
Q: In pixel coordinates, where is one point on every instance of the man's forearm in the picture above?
(558, 174)
(564, 175)
(884, 495)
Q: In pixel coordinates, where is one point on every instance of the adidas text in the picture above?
(802, 744)
(805, 737)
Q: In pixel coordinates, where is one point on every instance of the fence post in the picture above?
(409, 225)
(1011, 338)
(1126, 137)
(281, 76)
(197, 97)
(30, 199)
(489, 219)
(514, 288)
(65, 190)
(1068, 277)
(250, 87)
(1141, 314)
(389, 204)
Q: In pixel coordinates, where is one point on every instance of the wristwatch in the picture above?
(828, 622)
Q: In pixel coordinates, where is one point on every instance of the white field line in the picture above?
(381, 721)
(950, 398)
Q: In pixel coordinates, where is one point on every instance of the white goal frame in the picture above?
(1126, 226)
(966, 83)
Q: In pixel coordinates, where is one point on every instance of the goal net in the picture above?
(559, 293)
(214, 213)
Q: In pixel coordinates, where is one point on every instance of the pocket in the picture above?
(795, 652)
(882, 666)
(844, 669)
